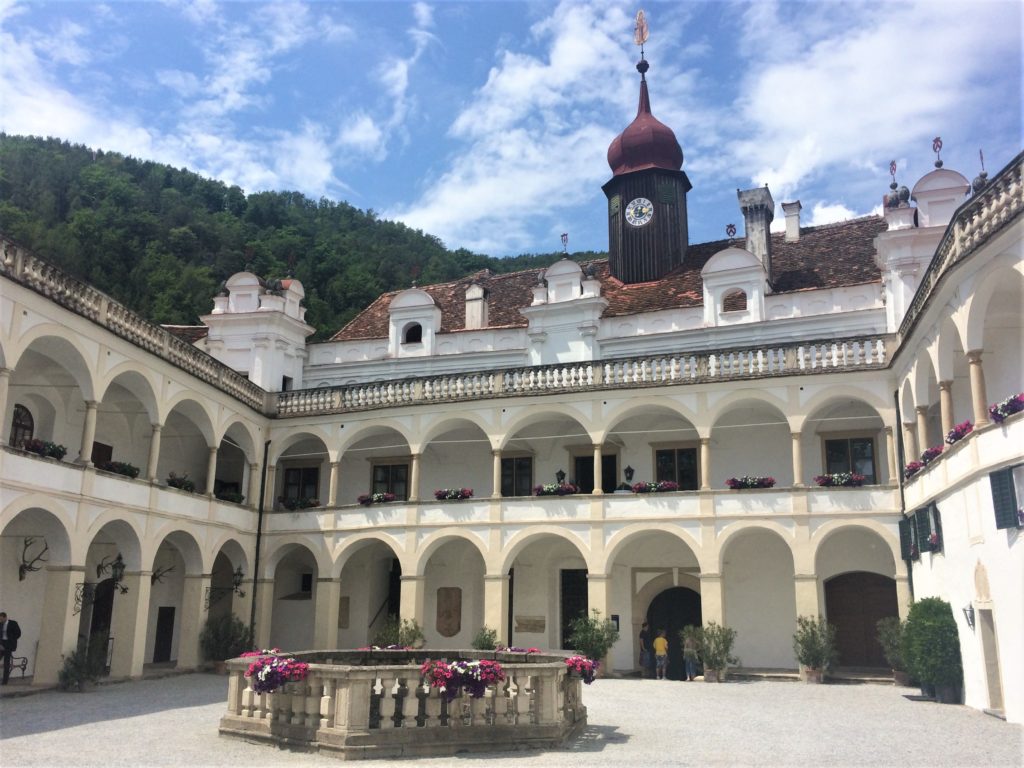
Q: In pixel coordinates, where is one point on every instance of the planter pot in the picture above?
(900, 678)
(947, 694)
(714, 675)
(86, 686)
(220, 667)
(815, 676)
(928, 690)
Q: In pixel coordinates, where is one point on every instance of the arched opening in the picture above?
(454, 457)
(124, 423)
(854, 603)
(371, 593)
(379, 461)
(845, 435)
(657, 444)
(413, 334)
(551, 443)
(671, 610)
(185, 444)
(734, 301)
(233, 456)
(745, 440)
(454, 600)
(302, 474)
(295, 584)
(115, 605)
(23, 426)
(1004, 337)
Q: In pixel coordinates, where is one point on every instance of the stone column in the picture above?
(946, 406)
(414, 478)
(193, 618)
(923, 438)
(890, 449)
(154, 453)
(598, 585)
(712, 607)
(909, 443)
(413, 599)
(5, 420)
(705, 463)
(129, 624)
(902, 595)
(798, 461)
(211, 470)
(271, 500)
(254, 486)
(88, 433)
(978, 396)
(496, 604)
(598, 474)
(58, 631)
(332, 488)
(496, 475)
(325, 630)
(805, 587)
(264, 612)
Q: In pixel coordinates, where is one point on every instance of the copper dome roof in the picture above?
(646, 142)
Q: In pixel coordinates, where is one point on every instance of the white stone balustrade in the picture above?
(358, 704)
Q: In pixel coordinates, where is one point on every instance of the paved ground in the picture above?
(648, 723)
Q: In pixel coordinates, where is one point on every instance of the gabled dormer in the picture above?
(565, 314)
(414, 320)
(735, 282)
(938, 194)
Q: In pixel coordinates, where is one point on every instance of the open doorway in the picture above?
(671, 610)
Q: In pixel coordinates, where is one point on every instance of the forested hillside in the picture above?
(161, 239)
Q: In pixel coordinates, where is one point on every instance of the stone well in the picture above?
(374, 704)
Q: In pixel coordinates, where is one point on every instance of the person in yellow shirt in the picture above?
(660, 654)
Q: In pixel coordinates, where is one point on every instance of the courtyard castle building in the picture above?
(845, 348)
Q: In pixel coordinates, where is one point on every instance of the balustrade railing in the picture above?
(652, 370)
(387, 709)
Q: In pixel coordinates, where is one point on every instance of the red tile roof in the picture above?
(829, 256)
(189, 333)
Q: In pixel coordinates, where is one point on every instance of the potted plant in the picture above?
(85, 665)
(931, 454)
(592, 636)
(714, 646)
(1011, 405)
(453, 494)
(486, 639)
(182, 482)
(912, 468)
(45, 448)
(400, 633)
(840, 479)
(375, 498)
(959, 432)
(738, 483)
(119, 468)
(223, 638)
(555, 489)
(931, 648)
(815, 647)
(890, 637)
(662, 486)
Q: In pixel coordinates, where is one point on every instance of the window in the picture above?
(1007, 491)
(301, 483)
(391, 478)
(851, 454)
(677, 465)
(517, 476)
(734, 301)
(413, 334)
(286, 383)
(921, 532)
(101, 453)
(23, 426)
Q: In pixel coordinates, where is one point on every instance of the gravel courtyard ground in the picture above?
(173, 722)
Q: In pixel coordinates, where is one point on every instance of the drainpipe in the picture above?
(259, 537)
(901, 463)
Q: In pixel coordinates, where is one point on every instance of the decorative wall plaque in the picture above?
(532, 624)
(449, 611)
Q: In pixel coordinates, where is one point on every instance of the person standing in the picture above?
(660, 654)
(9, 634)
(645, 650)
(690, 656)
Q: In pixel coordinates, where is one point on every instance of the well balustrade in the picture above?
(375, 704)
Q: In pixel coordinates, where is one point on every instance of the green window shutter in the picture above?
(1004, 498)
(937, 523)
(923, 529)
(906, 537)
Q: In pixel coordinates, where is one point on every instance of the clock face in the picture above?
(639, 212)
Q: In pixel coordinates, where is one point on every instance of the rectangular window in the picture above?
(1007, 486)
(517, 476)
(851, 454)
(678, 465)
(101, 453)
(301, 483)
(391, 478)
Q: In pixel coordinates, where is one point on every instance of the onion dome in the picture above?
(646, 142)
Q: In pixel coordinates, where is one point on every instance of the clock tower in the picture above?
(647, 233)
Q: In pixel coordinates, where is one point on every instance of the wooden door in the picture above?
(854, 603)
(164, 633)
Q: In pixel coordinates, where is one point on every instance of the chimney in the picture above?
(792, 211)
(476, 307)
(758, 211)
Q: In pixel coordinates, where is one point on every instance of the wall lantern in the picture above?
(236, 580)
(560, 476)
(117, 574)
(628, 472)
(969, 615)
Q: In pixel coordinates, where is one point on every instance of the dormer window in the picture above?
(734, 301)
(734, 287)
(413, 334)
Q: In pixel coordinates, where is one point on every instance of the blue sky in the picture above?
(487, 124)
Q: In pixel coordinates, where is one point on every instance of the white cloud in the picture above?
(362, 134)
(825, 213)
(185, 84)
(424, 15)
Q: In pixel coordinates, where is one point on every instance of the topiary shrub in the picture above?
(406, 633)
(224, 637)
(593, 636)
(714, 645)
(815, 643)
(486, 639)
(931, 646)
(890, 637)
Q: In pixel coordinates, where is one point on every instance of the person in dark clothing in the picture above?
(646, 659)
(9, 634)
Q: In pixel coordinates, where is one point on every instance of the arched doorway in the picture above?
(102, 614)
(854, 604)
(671, 610)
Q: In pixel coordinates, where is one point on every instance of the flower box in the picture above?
(931, 454)
(582, 667)
(234, 497)
(555, 489)
(452, 678)
(45, 448)
(912, 468)
(453, 494)
(737, 483)
(182, 483)
(119, 468)
(375, 498)
(959, 432)
(663, 486)
(1011, 405)
(269, 672)
(300, 503)
(840, 479)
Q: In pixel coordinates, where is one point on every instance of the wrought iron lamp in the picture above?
(969, 615)
(236, 580)
(628, 472)
(560, 476)
(117, 573)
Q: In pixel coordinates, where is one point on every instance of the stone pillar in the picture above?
(496, 475)
(5, 419)
(58, 631)
(909, 443)
(211, 470)
(88, 433)
(890, 449)
(712, 607)
(414, 478)
(923, 438)
(332, 488)
(598, 474)
(264, 612)
(798, 461)
(325, 629)
(129, 624)
(496, 604)
(413, 599)
(705, 463)
(946, 406)
(598, 587)
(903, 595)
(806, 590)
(271, 500)
(978, 396)
(154, 453)
(254, 486)
(193, 618)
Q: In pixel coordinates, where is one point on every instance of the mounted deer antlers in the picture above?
(30, 566)
(159, 573)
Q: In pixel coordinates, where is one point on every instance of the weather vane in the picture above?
(892, 172)
(565, 243)
(640, 31)
(937, 149)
